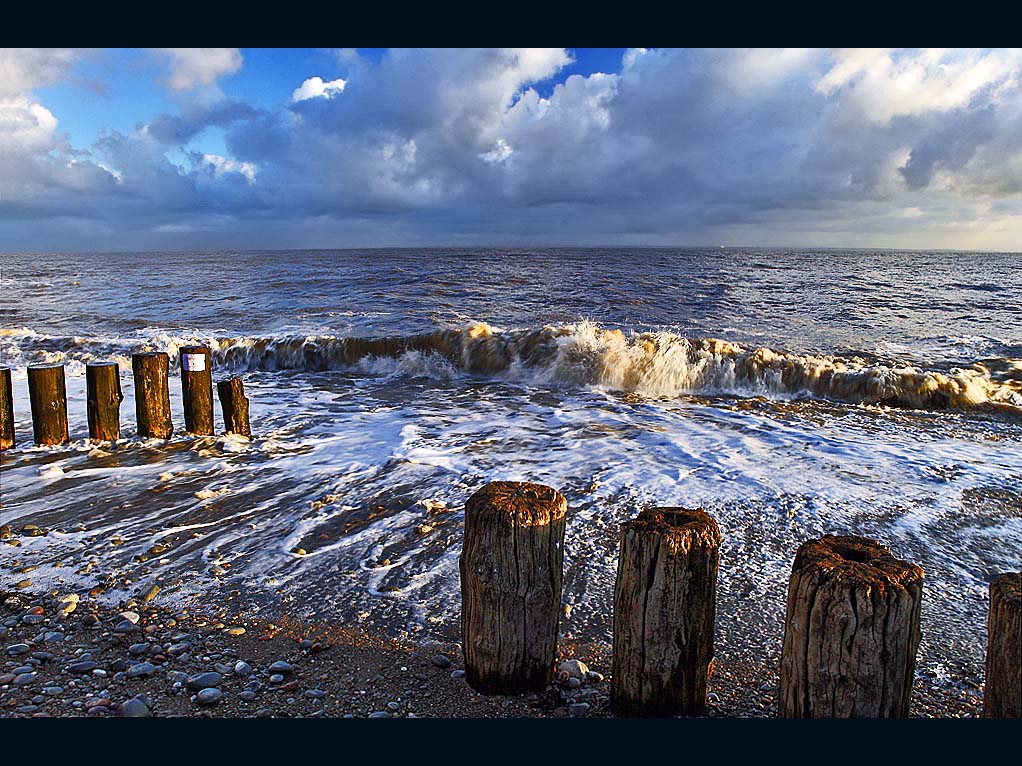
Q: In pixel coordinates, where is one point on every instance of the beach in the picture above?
(89, 662)
(789, 393)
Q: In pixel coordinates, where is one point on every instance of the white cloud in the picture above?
(884, 84)
(222, 165)
(26, 126)
(23, 69)
(192, 68)
(314, 87)
(500, 152)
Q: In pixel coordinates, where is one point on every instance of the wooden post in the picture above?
(851, 633)
(197, 390)
(665, 604)
(6, 410)
(152, 394)
(511, 570)
(103, 386)
(235, 406)
(1003, 695)
(48, 395)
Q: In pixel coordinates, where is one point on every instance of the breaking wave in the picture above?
(583, 354)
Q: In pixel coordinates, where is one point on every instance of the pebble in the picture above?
(53, 691)
(393, 706)
(136, 649)
(15, 649)
(276, 678)
(316, 694)
(234, 631)
(280, 667)
(573, 669)
(201, 681)
(177, 677)
(208, 696)
(23, 679)
(247, 696)
(379, 714)
(133, 709)
(441, 661)
(82, 667)
(578, 710)
(42, 656)
(32, 619)
(125, 626)
(53, 637)
(242, 668)
(457, 674)
(141, 669)
(132, 617)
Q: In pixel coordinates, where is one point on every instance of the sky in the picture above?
(225, 148)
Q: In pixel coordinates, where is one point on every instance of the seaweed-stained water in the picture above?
(789, 393)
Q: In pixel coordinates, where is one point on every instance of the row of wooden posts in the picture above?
(851, 632)
(48, 397)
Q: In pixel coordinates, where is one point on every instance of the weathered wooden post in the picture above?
(1003, 695)
(665, 604)
(48, 396)
(235, 406)
(6, 410)
(852, 631)
(152, 394)
(103, 387)
(197, 390)
(511, 569)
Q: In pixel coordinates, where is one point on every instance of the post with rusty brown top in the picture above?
(103, 394)
(48, 396)
(665, 605)
(511, 570)
(6, 410)
(1003, 695)
(152, 394)
(197, 390)
(235, 406)
(852, 631)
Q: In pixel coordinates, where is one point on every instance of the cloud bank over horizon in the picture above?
(222, 148)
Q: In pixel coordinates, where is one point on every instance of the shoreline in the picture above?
(98, 661)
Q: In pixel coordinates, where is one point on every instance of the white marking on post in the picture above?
(194, 362)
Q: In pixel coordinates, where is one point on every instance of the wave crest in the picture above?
(582, 354)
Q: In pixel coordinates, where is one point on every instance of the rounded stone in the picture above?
(133, 709)
(202, 681)
(209, 696)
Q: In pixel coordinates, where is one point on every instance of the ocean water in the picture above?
(789, 393)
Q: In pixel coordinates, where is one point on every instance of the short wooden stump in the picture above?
(665, 602)
(852, 631)
(1003, 695)
(511, 571)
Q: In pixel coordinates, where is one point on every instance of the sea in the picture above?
(789, 393)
